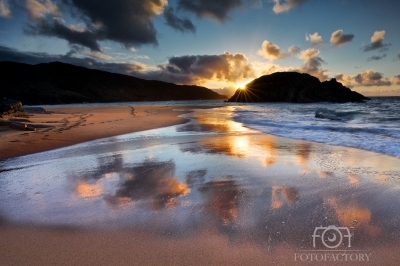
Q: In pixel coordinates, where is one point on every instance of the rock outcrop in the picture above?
(296, 88)
(330, 117)
(13, 108)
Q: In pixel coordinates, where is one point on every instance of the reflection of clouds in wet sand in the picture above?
(324, 174)
(195, 177)
(281, 195)
(269, 150)
(351, 215)
(152, 180)
(222, 199)
(86, 190)
(303, 152)
(353, 179)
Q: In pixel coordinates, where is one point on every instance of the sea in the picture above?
(373, 125)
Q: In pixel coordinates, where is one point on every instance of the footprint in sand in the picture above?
(132, 111)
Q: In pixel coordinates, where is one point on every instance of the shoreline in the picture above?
(176, 200)
(63, 126)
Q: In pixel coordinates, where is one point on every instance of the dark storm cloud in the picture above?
(72, 36)
(126, 21)
(377, 42)
(177, 23)
(9, 54)
(218, 10)
(376, 57)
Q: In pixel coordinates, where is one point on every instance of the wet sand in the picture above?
(64, 126)
(208, 192)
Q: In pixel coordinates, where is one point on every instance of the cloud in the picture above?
(127, 22)
(395, 80)
(376, 57)
(190, 69)
(38, 9)
(345, 80)
(217, 10)
(308, 54)
(55, 28)
(9, 54)
(397, 57)
(276, 68)
(338, 38)
(228, 91)
(284, 7)
(365, 78)
(377, 42)
(5, 11)
(46, 19)
(197, 69)
(314, 39)
(177, 23)
(294, 49)
(371, 78)
(312, 64)
(271, 51)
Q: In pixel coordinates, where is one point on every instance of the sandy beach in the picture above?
(64, 126)
(207, 192)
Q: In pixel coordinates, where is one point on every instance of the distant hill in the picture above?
(59, 83)
(296, 88)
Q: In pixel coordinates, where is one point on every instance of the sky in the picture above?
(219, 44)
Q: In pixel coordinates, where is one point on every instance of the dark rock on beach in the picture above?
(330, 117)
(59, 83)
(296, 88)
(13, 108)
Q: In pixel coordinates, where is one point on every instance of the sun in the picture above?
(242, 84)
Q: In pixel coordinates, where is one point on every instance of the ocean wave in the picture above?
(373, 126)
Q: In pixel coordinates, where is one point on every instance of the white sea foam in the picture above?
(374, 125)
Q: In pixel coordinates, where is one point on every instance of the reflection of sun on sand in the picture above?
(71, 125)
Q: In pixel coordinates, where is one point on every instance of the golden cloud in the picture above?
(271, 51)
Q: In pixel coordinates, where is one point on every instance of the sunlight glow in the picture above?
(242, 84)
